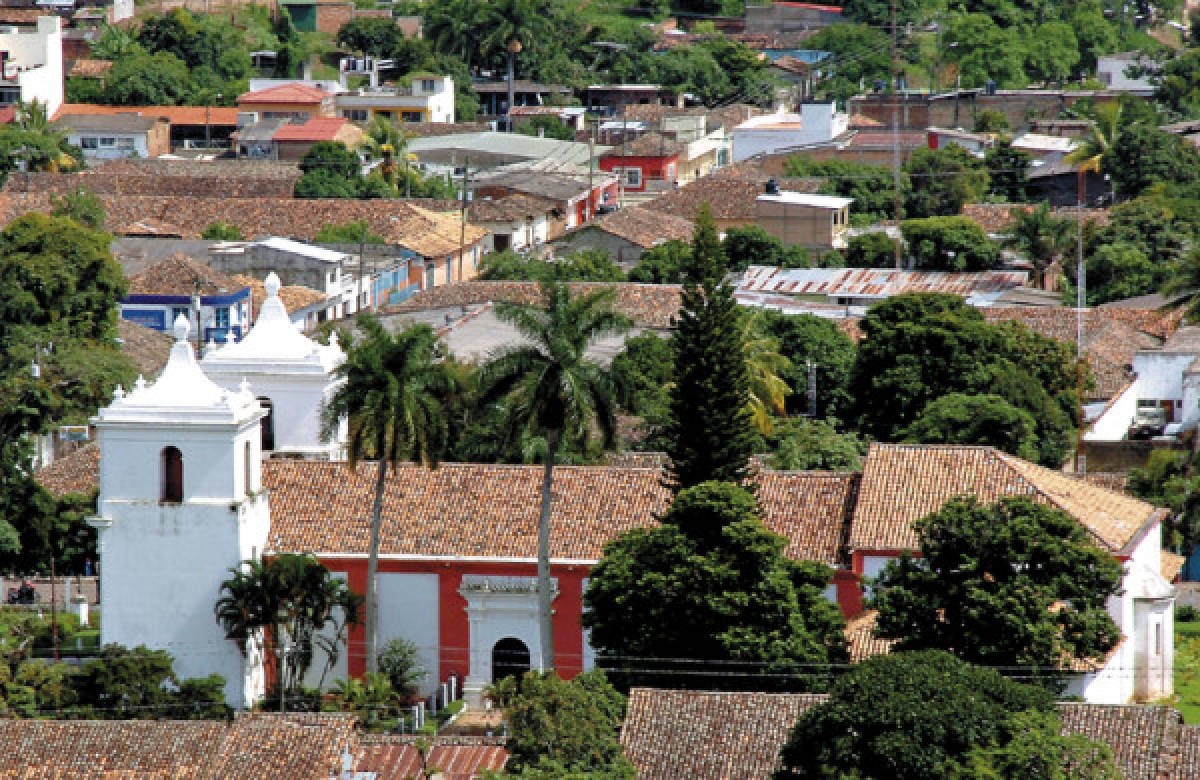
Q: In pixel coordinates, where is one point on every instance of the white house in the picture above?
(1112, 70)
(816, 123)
(32, 65)
(1168, 378)
(181, 501)
(117, 136)
(428, 98)
(1045, 149)
(290, 374)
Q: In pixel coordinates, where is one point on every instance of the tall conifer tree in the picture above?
(709, 434)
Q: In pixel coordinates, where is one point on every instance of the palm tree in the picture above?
(43, 143)
(384, 139)
(1183, 285)
(515, 25)
(1100, 138)
(1041, 236)
(451, 26)
(394, 398)
(768, 390)
(550, 386)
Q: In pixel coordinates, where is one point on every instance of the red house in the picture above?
(650, 162)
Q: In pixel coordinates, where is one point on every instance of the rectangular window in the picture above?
(427, 85)
(221, 317)
(632, 176)
(1158, 638)
(88, 142)
(355, 114)
(412, 116)
(124, 143)
(108, 142)
(180, 311)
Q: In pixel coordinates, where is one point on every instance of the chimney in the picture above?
(772, 187)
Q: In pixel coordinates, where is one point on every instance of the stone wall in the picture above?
(647, 305)
(945, 110)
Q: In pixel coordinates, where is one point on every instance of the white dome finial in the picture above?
(181, 328)
(271, 285)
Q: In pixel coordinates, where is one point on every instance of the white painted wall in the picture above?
(1113, 424)
(1160, 374)
(36, 58)
(161, 564)
(408, 609)
(506, 608)
(296, 400)
(816, 123)
(1110, 71)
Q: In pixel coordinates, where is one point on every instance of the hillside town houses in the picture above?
(294, 284)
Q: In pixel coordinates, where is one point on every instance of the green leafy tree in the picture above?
(82, 206)
(1142, 156)
(751, 245)
(394, 399)
(549, 126)
(33, 142)
(159, 79)
(453, 27)
(942, 181)
(1016, 584)
(1169, 479)
(686, 584)
(374, 36)
(371, 697)
(920, 347)
(860, 55)
(563, 728)
(1039, 749)
(331, 157)
(1053, 52)
(924, 716)
(1041, 237)
(551, 387)
(949, 244)
(871, 250)
(984, 50)
(1008, 169)
(400, 665)
(140, 684)
(282, 606)
(804, 339)
(708, 431)
(811, 444)
(1178, 85)
(662, 264)
(1092, 154)
(987, 419)
(222, 231)
(873, 187)
(989, 120)
(641, 373)
(353, 232)
(115, 43)
(1122, 270)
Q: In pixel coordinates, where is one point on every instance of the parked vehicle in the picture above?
(1148, 422)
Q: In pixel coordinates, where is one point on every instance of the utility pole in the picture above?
(895, 87)
(591, 200)
(1080, 303)
(362, 264)
(462, 236)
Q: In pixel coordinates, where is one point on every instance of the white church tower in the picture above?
(181, 502)
(292, 377)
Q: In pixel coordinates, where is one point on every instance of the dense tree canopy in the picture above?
(942, 180)
(928, 716)
(920, 347)
(1015, 584)
(872, 186)
(805, 338)
(563, 729)
(682, 591)
(949, 244)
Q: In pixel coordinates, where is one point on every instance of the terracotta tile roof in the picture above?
(670, 734)
(902, 483)
(284, 93)
(322, 129)
(650, 144)
(1187, 762)
(176, 115)
(510, 208)
(1156, 321)
(643, 227)
(1109, 342)
(1115, 481)
(1140, 736)
(88, 69)
(478, 510)
(790, 64)
(75, 472)
(294, 296)
(181, 275)
(876, 138)
(862, 120)
(1170, 565)
(998, 217)
(147, 348)
(22, 16)
(456, 758)
(729, 197)
(427, 129)
(254, 746)
(860, 633)
(399, 221)
(852, 328)
(150, 228)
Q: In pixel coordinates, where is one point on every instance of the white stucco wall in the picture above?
(296, 400)
(162, 564)
(1160, 374)
(505, 607)
(408, 609)
(1113, 424)
(36, 56)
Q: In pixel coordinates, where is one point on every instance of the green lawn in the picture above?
(1187, 670)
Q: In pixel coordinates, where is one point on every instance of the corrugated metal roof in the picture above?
(876, 282)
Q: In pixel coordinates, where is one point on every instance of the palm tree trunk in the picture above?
(545, 596)
(372, 618)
